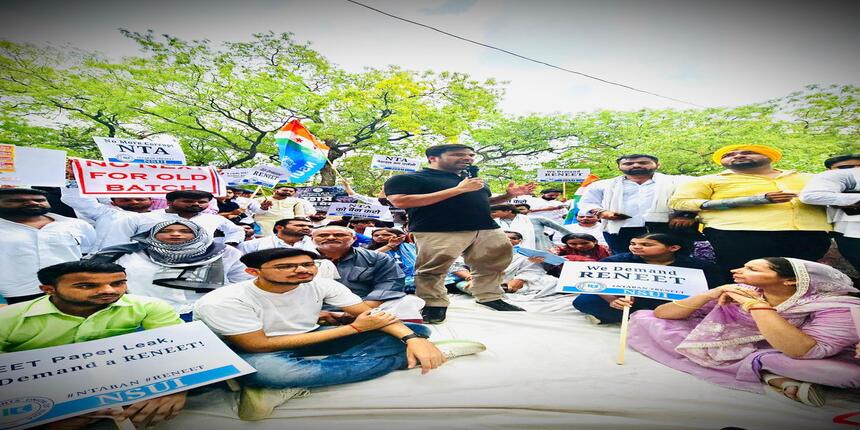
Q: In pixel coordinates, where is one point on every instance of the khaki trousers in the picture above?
(486, 252)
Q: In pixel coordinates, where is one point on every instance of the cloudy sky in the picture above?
(712, 53)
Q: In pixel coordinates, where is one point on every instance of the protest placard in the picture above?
(323, 197)
(25, 166)
(49, 384)
(267, 176)
(562, 175)
(235, 176)
(392, 162)
(358, 210)
(631, 279)
(104, 179)
(140, 151)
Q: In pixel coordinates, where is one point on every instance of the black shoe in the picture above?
(500, 305)
(433, 314)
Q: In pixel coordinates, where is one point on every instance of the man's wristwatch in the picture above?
(412, 336)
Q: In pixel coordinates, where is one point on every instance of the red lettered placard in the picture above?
(98, 178)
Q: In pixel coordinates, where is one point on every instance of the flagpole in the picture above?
(622, 341)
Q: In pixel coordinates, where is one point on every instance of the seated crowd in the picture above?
(278, 281)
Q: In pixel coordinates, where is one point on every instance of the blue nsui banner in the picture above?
(631, 279)
(44, 385)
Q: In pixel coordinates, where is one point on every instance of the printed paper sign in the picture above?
(323, 197)
(140, 151)
(631, 279)
(104, 179)
(7, 158)
(25, 166)
(235, 176)
(49, 384)
(358, 210)
(562, 175)
(267, 176)
(391, 162)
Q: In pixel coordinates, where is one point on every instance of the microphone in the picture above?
(471, 171)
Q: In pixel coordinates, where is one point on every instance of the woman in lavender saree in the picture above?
(786, 322)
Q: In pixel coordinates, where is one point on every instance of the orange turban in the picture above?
(768, 151)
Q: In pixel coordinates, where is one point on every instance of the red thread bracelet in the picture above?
(358, 330)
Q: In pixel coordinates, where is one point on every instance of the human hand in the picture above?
(680, 223)
(537, 260)
(152, 412)
(742, 296)
(366, 321)
(515, 190)
(470, 184)
(396, 241)
(515, 285)
(621, 302)
(265, 204)
(780, 197)
(422, 351)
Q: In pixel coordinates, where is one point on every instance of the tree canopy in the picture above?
(224, 103)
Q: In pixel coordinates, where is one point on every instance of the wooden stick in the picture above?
(622, 342)
(564, 190)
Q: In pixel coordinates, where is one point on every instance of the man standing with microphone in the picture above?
(449, 216)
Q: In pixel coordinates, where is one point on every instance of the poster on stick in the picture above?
(631, 279)
(24, 166)
(358, 210)
(267, 176)
(48, 384)
(392, 162)
(140, 151)
(104, 179)
(323, 197)
(562, 175)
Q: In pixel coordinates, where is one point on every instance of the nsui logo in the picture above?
(23, 410)
(590, 286)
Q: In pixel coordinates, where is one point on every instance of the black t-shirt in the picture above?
(464, 212)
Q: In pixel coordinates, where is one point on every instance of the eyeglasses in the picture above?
(292, 267)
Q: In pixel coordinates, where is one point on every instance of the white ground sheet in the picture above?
(545, 369)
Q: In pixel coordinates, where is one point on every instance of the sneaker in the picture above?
(457, 348)
(501, 305)
(258, 403)
(433, 314)
(593, 319)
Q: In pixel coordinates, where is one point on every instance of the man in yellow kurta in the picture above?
(751, 210)
(281, 205)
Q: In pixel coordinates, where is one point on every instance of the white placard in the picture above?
(49, 384)
(235, 176)
(268, 176)
(393, 162)
(631, 279)
(359, 210)
(25, 166)
(104, 179)
(562, 175)
(140, 151)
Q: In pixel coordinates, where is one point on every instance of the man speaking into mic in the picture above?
(449, 216)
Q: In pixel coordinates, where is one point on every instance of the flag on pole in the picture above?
(301, 153)
(574, 207)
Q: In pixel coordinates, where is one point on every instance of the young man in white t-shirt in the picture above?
(272, 322)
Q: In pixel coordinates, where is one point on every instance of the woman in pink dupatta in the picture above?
(786, 321)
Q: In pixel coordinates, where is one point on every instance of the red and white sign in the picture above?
(109, 179)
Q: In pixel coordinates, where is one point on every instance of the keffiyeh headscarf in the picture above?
(192, 251)
(728, 334)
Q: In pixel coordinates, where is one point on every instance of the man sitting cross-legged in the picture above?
(271, 322)
(372, 275)
(86, 300)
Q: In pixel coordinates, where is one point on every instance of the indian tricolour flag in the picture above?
(301, 153)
